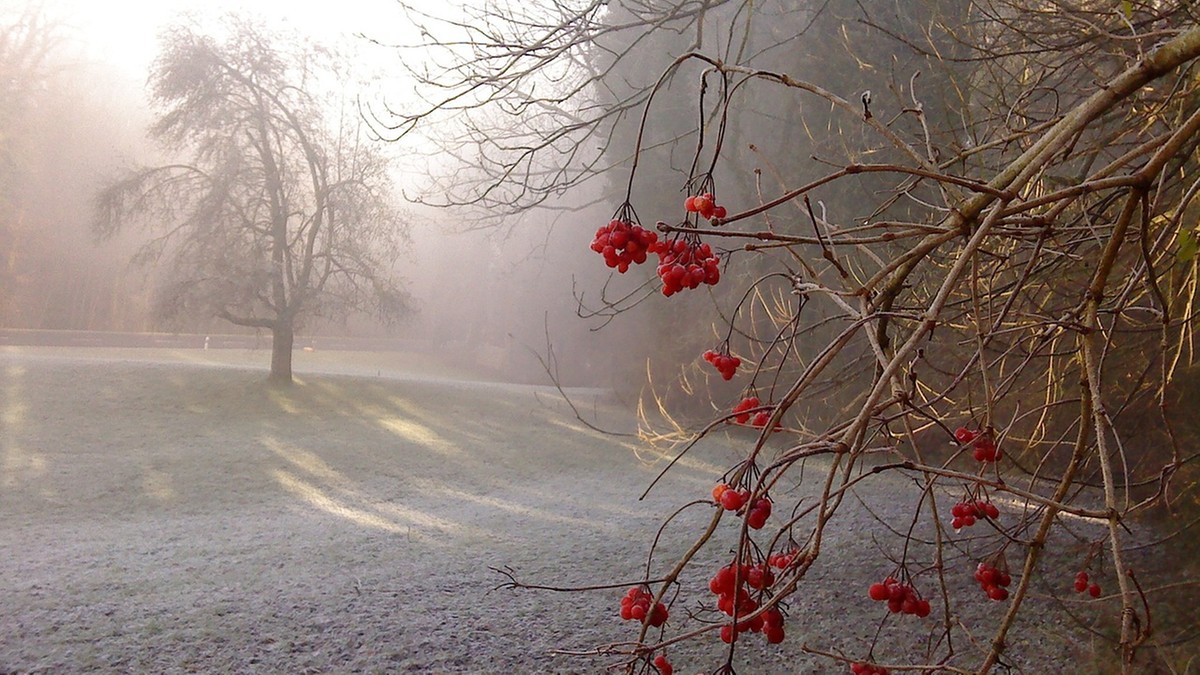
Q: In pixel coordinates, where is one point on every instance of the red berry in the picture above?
(782, 560)
(746, 604)
(993, 580)
(759, 577)
(774, 634)
(635, 606)
(754, 625)
(658, 616)
(725, 604)
(1094, 590)
(740, 414)
(718, 491)
(664, 666)
(732, 500)
(757, 518)
(964, 435)
(1081, 585)
(878, 592)
(722, 581)
(985, 450)
(623, 243)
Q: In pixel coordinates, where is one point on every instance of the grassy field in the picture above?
(165, 511)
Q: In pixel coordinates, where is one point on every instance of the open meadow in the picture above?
(165, 511)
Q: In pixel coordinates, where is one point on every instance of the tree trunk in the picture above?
(282, 337)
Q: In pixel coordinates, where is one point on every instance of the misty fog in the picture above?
(488, 294)
(350, 337)
(163, 508)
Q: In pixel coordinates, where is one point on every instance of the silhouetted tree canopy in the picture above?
(275, 209)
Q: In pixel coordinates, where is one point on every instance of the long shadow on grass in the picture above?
(88, 440)
(387, 454)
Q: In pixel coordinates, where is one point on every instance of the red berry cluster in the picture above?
(759, 511)
(733, 500)
(636, 606)
(740, 410)
(622, 243)
(867, 669)
(966, 513)
(985, 447)
(1081, 585)
(773, 626)
(901, 598)
(706, 205)
(760, 576)
(729, 498)
(723, 586)
(664, 666)
(782, 560)
(683, 263)
(758, 419)
(729, 598)
(725, 364)
(993, 581)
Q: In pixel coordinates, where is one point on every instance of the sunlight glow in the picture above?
(315, 497)
(306, 461)
(125, 33)
(330, 491)
(526, 511)
(285, 404)
(420, 434)
(14, 408)
(402, 518)
(16, 460)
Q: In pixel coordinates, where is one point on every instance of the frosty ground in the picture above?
(164, 511)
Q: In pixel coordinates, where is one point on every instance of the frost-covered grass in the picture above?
(165, 511)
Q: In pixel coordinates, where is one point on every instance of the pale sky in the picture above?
(124, 32)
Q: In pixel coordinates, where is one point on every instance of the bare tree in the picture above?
(59, 123)
(534, 91)
(28, 40)
(985, 285)
(272, 214)
(28, 43)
